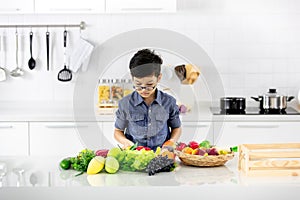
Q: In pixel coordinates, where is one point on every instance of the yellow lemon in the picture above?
(96, 165)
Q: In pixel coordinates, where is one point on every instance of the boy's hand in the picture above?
(127, 143)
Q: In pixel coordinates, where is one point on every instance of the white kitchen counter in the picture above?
(45, 111)
(186, 182)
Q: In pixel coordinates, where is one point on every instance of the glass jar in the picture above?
(127, 87)
(104, 91)
(116, 90)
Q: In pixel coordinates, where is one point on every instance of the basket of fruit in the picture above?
(203, 154)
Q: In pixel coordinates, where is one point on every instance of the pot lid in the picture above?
(272, 93)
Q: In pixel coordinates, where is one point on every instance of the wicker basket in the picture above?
(203, 161)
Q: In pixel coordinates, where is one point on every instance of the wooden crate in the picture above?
(280, 159)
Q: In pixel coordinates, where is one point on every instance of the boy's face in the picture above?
(146, 86)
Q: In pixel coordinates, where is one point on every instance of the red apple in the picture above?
(212, 151)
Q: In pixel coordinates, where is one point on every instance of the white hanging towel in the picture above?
(80, 55)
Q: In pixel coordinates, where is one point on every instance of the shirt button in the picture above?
(149, 111)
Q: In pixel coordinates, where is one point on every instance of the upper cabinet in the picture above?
(69, 6)
(140, 6)
(16, 6)
(87, 6)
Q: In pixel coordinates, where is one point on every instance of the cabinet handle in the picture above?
(141, 9)
(6, 126)
(70, 9)
(10, 9)
(257, 126)
(66, 126)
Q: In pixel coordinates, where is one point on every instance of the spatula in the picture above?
(47, 44)
(65, 74)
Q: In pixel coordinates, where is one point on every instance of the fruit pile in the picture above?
(203, 148)
(91, 162)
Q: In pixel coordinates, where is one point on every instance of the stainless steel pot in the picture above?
(273, 101)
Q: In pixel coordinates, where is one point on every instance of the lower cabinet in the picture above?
(235, 133)
(13, 138)
(197, 131)
(62, 138)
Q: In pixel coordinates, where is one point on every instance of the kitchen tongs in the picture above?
(65, 74)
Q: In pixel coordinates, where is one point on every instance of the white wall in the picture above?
(254, 44)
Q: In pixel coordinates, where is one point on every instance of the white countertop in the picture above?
(46, 111)
(195, 180)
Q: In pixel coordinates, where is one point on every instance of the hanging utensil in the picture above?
(17, 71)
(65, 74)
(2, 71)
(47, 44)
(31, 61)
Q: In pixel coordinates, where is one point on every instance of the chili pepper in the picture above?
(139, 148)
(147, 148)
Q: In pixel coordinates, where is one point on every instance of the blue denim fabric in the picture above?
(147, 125)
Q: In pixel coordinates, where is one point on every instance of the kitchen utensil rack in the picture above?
(81, 25)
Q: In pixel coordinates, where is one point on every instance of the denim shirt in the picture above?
(147, 125)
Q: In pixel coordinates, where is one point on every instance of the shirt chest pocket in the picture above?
(137, 119)
(160, 121)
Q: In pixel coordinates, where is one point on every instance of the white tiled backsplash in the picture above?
(255, 44)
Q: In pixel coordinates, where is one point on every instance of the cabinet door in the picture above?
(197, 131)
(140, 6)
(13, 139)
(16, 6)
(70, 6)
(235, 133)
(61, 138)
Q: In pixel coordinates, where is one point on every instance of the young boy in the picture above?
(147, 116)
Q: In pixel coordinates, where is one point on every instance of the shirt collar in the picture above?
(137, 99)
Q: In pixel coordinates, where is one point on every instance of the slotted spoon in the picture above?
(65, 74)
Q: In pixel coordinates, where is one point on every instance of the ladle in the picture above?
(17, 71)
(31, 61)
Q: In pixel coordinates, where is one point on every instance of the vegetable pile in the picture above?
(134, 158)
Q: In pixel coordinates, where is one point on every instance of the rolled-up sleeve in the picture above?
(174, 119)
(121, 122)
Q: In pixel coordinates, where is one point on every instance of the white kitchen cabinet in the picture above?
(13, 138)
(197, 131)
(140, 6)
(235, 133)
(61, 138)
(16, 6)
(70, 6)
